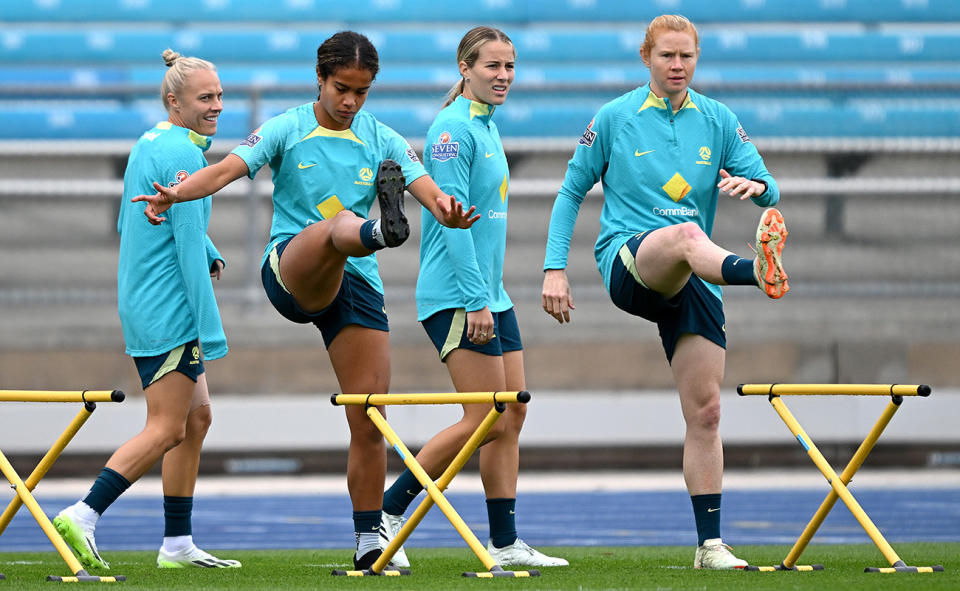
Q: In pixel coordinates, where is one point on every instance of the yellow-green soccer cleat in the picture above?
(771, 235)
(79, 536)
(193, 557)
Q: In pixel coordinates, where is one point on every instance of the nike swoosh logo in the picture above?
(489, 154)
(302, 166)
(712, 510)
(639, 153)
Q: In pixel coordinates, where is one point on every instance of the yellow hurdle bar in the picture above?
(833, 390)
(79, 574)
(23, 489)
(61, 396)
(51, 456)
(845, 477)
(838, 483)
(435, 489)
(440, 398)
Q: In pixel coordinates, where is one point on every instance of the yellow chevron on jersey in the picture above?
(677, 187)
(330, 207)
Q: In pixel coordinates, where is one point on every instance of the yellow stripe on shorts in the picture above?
(456, 331)
(173, 359)
(628, 260)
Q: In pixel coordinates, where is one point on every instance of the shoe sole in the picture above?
(391, 186)
(771, 236)
(197, 564)
(83, 550)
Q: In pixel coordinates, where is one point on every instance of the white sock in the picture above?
(85, 513)
(378, 233)
(176, 544)
(367, 541)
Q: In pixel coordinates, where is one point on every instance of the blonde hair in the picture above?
(180, 68)
(667, 22)
(469, 51)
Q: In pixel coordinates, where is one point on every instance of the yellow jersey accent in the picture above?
(303, 166)
(677, 187)
(660, 103)
(638, 153)
(480, 109)
(503, 189)
(330, 207)
(346, 134)
(366, 174)
(488, 154)
(164, 125)
(198, 139)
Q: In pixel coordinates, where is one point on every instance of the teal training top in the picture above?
(164, 290)
(657, 167)
(318, 172)
(464, 269)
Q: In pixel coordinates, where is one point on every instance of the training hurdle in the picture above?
(23, 489)
(435, 489)
(838, 483)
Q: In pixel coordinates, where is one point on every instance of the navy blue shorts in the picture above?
(356, 302)
(694, 310)
(185, 359)
(448, 331)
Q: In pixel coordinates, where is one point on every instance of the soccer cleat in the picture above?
(193, 557)
(520, 554)
(716, 555)
(78, 534)
(391, 187)
(768, 270)
(389, 527)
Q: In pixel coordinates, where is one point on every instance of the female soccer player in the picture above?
(170, 321)
(329, 159)
(460, 296)
(663, 152)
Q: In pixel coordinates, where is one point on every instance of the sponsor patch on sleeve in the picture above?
(444, 148)
(412, 155)
(252, 140)
(743, 134)
(588, 136)
(178, 178)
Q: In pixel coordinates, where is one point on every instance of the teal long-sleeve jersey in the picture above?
(658, 167)
(318, 172)
(464, 268)
(164, 292)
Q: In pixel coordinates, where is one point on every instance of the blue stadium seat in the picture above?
(493, 11)
(518, 118)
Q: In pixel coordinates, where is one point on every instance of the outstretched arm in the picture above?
(206, 181)
(446, 208)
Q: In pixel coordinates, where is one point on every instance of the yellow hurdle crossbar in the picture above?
(435, 489)
(838, 483)
(23, 489)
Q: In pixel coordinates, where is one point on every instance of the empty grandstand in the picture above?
(852, 102)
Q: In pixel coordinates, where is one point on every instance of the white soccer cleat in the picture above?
(193, 557)
(520, 554)
(716, 555)
(389, 527)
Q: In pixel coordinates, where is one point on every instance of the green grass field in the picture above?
(664, 568)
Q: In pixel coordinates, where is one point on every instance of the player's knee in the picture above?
(689, 234)
(708, 416)
(171, 437)
(200, 420)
